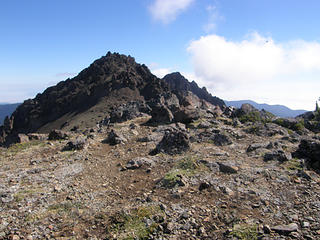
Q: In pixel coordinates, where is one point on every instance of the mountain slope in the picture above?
(7, 110)
(278, 110)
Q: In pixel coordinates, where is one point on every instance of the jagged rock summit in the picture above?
(113, 88)
(178, 82)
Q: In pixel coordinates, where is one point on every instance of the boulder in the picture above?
(139, 162)
(128, 111)
(161, 114)
(77, 144)
(278, 155)
(286, 229)
(22, 138)
(255, 146)
(221, 139)
(248, 113)
(310, 150)
(187, 115)
(228, 168)
(38, 136)
(173, 142)
(114, 138)
(58, 135)
(267, 130)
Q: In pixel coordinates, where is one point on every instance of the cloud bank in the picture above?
(258, 68)
(166, 11)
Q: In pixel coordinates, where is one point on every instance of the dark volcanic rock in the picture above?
(221, 139)
(128, 111)
(310, 149)
(177, 82)
(58, 135)
(279, 155)
(77, 144)
(38, 136)
(139, 162)
(187, 115)
(248, 113)
(267, 129)
(161, 114)
(255, 146)
(114, 138)
(173, 142)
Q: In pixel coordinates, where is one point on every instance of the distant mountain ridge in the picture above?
(278, 110)
(6, 109)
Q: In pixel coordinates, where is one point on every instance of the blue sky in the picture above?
(264, 50)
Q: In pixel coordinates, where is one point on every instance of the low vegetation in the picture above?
(19, 147)
(138, 223)
(186, 167)
(245, 232)
(256, 116)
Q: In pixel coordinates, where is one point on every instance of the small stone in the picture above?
(255, 205)
(308, 237)
(29, 237)
(297, 180)
(15, 237)
(294, 217)
(226, 190)
(185, 215)
(285, 229)
(57, 188)
(294, 235)
(201, 231)
(169, 227)
(305, 224)
(204, 185)
(227, 168)
(266, 229)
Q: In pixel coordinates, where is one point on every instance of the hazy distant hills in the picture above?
(278, 110)
(7, 109)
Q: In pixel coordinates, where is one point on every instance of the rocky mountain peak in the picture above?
(113, 87)
(178, 82)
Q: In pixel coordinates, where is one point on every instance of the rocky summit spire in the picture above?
(178, 82)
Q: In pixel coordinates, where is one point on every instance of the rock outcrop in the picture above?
(310, 150)
(178, 82)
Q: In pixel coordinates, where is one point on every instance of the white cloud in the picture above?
(166, 11)
(213, 18)
(258, 68)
